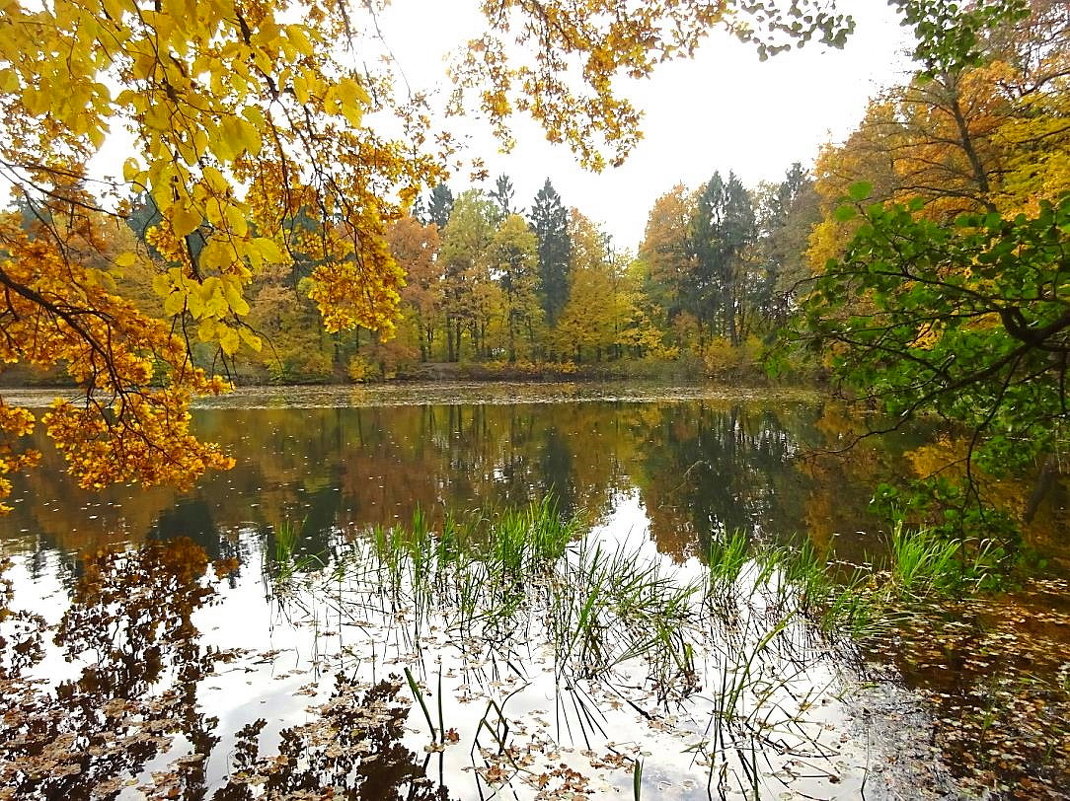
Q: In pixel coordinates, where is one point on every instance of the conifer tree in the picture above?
(549, 220)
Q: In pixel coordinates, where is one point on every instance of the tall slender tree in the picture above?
(666, 256)
(466, 276)
(549, 220)
(503, 195)
(513, 263)
(722, 230)
(787, 213)
(439, 207)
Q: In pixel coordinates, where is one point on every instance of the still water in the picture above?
(695, 466)
(190, 643)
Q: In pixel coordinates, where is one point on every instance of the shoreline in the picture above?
(458, 392)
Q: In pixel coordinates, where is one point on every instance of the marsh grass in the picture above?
(924, 563)
(737, 648)
(284, 561)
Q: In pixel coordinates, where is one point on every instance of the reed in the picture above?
(736, 636)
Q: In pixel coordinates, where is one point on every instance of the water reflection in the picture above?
(129, 634)
(132, 685)
(136, 700)
(698, 467)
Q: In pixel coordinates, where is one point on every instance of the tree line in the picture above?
(543, 288)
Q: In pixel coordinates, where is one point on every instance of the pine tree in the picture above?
(723, 228)
(503, 195)
(549, 220)
(439, 207)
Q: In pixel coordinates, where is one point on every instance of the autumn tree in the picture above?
(985, 131)
(415, 246)
(786, 214)
(513, 260)
(666, 252)
(247, 128)
(221, 106)
(467, 283)
(562, 62)
(950, 298)
(596, 312)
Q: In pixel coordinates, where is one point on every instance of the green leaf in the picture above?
(860, 191)
(845, 213)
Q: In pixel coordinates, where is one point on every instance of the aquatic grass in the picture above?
(924, 563)
(285, 563)
(727, 556)
(418, 696)
(610, 607)
(523, 542)
(737, 637)
(285, 537)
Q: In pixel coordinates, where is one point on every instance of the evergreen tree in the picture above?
(787, 215)
(722, 230)
(439, 207)
(503, 195)
(549, 220)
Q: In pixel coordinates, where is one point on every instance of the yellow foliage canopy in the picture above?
(248, 140)
(248, 144)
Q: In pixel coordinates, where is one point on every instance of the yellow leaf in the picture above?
(9, 81)
(162, 285)
(215, 180)
(229, 340)
(216, 255)
(195, 304)
(206, 331)
(237, 222)
(233, 293)
(249, 137)
(130, 170)
(251, 339)
(184, 220)
(126, 259)
(300, 87)
(269, 251)
(299, 39)
(174, 304)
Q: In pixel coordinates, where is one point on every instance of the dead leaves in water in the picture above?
(995, 672)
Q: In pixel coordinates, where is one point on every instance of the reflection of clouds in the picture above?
(123, 693)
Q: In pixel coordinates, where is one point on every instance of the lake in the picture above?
(271, 634)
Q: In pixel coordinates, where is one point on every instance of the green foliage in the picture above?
(949, 508)
(969, 321)
(503, 195)
(950, 33)
(726, 557)
(922, 562)
(439, 207)
(549, 220)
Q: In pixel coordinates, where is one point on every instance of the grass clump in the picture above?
(923, 563)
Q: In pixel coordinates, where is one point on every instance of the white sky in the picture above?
(725, 110)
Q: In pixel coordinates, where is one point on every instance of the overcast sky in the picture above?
(725, 110)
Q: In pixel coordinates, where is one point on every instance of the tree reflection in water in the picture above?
(133, 704)
(353, 748)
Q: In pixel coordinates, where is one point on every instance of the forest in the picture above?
(723, 280)
(511, 292)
